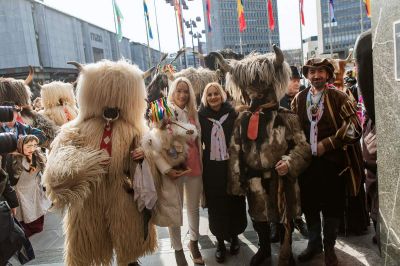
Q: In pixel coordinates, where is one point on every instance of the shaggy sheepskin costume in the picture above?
(58, 101)
(263, 79)
(89, 168)
(16, 92)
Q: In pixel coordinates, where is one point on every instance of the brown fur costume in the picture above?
(18, 93)
(58, 101)
(280, 137)
(101, 216)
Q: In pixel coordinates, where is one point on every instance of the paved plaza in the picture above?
(351, 251)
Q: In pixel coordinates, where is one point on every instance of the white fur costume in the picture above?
(101, 216)
(58, 101)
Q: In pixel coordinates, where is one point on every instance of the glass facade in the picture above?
(345, 30)
(225, 27)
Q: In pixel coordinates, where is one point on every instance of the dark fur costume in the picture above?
(252, 162)
(16, 92)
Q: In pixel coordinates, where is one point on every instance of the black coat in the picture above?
(226, 213)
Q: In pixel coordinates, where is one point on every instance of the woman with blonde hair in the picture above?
(182, 101)
(226, 213)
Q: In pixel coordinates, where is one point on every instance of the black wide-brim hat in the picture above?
(319, 62)
(295, 73)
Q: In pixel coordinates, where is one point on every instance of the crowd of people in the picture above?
(290, 152)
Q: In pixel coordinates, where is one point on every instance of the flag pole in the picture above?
(177, 32)
(183, 33)
(115, 26)
(301, 36)
(240, 41)
(158, 32)
(269, 30)
(330, 29)
(148, 42)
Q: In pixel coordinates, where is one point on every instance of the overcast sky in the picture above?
(100, 12)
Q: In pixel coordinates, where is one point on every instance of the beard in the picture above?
(318, 83)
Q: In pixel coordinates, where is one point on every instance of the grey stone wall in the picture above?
(17, 36)
(387, 106)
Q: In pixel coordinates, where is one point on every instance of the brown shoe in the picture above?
(195, 252)
(180, 258)
(330, 257)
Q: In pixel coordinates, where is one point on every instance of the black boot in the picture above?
(314, 245)
(264, 252)
(331, 228)
(301, 226)
(235, 246)
(274, 236)
(220, 253)
(134, 264)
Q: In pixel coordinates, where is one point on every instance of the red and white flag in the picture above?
(301, 13)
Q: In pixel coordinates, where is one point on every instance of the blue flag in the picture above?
(332, 11)
(146, 17)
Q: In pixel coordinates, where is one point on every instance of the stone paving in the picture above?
(351, 251)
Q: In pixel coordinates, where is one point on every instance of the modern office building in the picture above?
(32, 33)
(310, 47)
(293, 57)
(343, 33)
(225, 27)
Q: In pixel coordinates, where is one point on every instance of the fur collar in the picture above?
(208, 112)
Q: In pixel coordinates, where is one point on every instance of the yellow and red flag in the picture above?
(242, 20)
(368, 7)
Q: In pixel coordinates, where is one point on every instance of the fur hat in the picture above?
(319, 62)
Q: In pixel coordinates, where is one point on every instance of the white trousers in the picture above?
(193, 186)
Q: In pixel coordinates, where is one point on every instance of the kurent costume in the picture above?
(226, 213)
(263, 136)
(328, 117)
(58, 102)
(93, 182)
(17, 92)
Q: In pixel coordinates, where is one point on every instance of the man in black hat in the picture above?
(293, 88)
(330, 123)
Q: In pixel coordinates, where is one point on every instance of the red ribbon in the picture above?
(252, 129)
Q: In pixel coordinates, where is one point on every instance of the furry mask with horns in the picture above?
(112, 82)
(59, 102)
(16, 91)
(255, 75)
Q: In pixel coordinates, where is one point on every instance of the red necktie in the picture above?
(106, 139)
(252, 129)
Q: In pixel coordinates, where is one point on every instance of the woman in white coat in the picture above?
(176, 151)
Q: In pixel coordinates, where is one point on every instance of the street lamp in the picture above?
(192, 24)
(198, 36)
